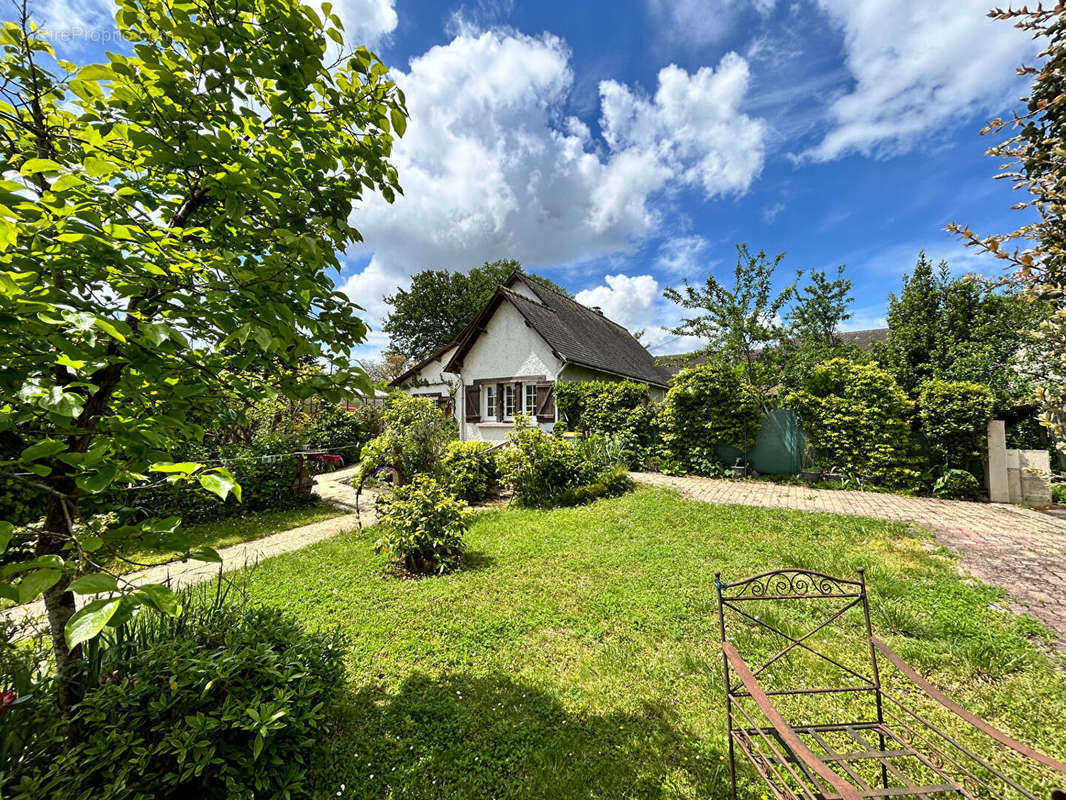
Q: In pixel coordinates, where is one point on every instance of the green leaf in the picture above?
(33, 583)
(97, 583)
(35, 165)
(257, 746)
(162, 597)
(399, 121)
(90, 620)
(97, 481)
(96, 72)
(155, 333)
(221, 482)
(43, 449)
(186, 467)
(206, 554)
(9, 592)
(7, 530)
(65, 404)
(109, 329)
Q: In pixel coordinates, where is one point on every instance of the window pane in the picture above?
(531, 398)
(490, 401)
(508, 400)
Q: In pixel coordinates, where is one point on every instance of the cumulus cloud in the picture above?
(366, 21)
(492, 167)
(915, 72)
(637, 303)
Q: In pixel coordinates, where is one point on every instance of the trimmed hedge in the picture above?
(622, 411)
(856, 418)
(954, 416)
(707, 407)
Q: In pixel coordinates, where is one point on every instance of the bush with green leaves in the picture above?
(707, 407)
(855, 416)
(422, 525)
(222, 701)
(621, 410)
(610, 483)
(344, 429)
(957, 484)
(539, 467)
(468, 470)
(1058, 493)
(954, 416)
(414, 437)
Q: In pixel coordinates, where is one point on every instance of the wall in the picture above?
(508, 348)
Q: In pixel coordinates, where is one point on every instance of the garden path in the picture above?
(330, 487)
(1021, 551)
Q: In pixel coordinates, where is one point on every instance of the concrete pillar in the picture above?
(997, 462)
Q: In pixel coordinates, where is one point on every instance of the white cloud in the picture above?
(917, 66)
(637, 303)
(693, 121)
(683, 256)
(694, 22)
(366, 22)
(492, 168)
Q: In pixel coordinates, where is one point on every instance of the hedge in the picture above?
(954, 417)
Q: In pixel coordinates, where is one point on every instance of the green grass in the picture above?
(226, 532)
(576, 654)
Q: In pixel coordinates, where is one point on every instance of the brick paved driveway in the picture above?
(1022, 551)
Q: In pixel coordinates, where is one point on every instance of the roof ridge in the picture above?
(582, 306)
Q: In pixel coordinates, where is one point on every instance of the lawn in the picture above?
(576, 654)
(226, 532)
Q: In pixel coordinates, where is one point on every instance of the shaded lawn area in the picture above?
(576, 655)
(226, 532)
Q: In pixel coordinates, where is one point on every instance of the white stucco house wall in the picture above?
(509, 358)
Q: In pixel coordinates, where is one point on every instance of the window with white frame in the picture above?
(531, 399)
(508, 401)
(490, 402)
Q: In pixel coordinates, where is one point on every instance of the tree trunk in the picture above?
(59, 603)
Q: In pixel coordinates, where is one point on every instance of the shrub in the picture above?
(1058, 493)
(619, 410)
(954, 416)
(707, 407)
(412, 442)
(539, 467)
(345, 428)
(612, 483)
(469, 472)
(220, 702)
(423, 525)
(855, 416)
(957, 484)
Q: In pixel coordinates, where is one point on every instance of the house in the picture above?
(509, 358)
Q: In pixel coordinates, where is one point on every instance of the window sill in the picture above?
(495, 424)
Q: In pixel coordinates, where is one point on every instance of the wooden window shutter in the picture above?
(473, 403)
(546, 402)
(499, 402)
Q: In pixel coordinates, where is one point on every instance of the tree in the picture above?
(439, 304)
(814, 321)
(915, 337)
(156, 210)
(959, 329)
(1037, 250)
(742, 325)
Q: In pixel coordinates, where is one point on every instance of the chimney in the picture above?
(598, 310)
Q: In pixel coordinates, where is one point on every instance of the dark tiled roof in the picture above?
(576, 333)
(864, 340)
(399, 379)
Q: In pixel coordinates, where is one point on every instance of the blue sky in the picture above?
(617, 147)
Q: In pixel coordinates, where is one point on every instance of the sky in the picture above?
(619, 147)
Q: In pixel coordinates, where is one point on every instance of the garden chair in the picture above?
(785, 717)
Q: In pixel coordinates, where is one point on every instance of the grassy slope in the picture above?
(226, 532)
(576, 655)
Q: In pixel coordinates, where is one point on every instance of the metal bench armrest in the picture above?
(844, 789)
(961, 712)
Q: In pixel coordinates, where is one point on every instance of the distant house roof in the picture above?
(576, 334)
(399, 379)
(864, 340)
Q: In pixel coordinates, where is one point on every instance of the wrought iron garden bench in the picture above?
(822, 720)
